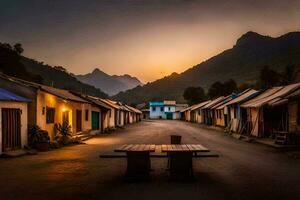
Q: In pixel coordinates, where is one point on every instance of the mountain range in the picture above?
(242, 63)
(109, 84)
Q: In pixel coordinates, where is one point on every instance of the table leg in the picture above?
(138, 165)
(181, 165)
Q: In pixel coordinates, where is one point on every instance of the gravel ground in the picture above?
(243, 170)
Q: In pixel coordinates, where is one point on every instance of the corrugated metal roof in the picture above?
(188, 108)
(6, 95)
(109, 103)
(242, 97)
(65, 94)
(271, 94)
(295, 94)
(95, 101)
(213, 102)
(199, 105)
(224, 101)
(134, 109)
(180, 107)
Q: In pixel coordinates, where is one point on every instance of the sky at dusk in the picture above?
(144, 38)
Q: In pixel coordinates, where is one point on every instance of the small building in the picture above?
(146, 113)
(178, 109)
(196, 112)
(221, 117)
(266, 116)
(236, 115)
(208, 113)
(163, 110)
(13, 121)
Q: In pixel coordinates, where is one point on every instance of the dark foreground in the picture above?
(243, 170)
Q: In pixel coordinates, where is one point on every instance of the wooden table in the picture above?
(181, 159)
(138, 159)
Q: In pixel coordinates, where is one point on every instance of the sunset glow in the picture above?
(147, 39)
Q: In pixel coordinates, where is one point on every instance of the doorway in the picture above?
(78, 120)
(11, 129)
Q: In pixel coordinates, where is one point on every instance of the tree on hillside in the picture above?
(194, 95)
(290, 75)
(268, 78)
(18, 48)
(216, 89)
(229, 87)
(222, 89)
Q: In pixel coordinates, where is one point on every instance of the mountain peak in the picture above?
(252, 38)
(97, 71)
(111, 84)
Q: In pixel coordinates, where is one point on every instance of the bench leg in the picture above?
(181, 165)
(138, 165)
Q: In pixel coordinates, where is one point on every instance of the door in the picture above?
(78, 120)
(11, 129)
(95, 120)
(169, 115)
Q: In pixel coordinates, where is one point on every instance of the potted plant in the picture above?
(64, 133)
(38, 138)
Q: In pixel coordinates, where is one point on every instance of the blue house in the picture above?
(163, 110)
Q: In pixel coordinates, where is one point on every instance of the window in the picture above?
(153, 108)
(169, 108)
(50, 112)
(86, 115)
(161, 109)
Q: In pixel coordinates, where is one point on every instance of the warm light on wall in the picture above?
(63, 109)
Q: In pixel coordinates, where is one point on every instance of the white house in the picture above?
(164, 110)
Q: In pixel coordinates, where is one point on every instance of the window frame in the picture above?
(50, 115)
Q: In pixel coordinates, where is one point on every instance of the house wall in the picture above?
(254, 118)
(234, 121)
(293, 110)
(24, 120)
(199, 116)
(157, 113)
(45, 100)
(220, 120)
(111, 118)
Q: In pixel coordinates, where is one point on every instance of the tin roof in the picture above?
(6, 95)
(213, 102)
(180, 107)
(243, 96)
(224, 101)
(95, 101)
(133, 109)
(199, 105)
(109, 103)
(271, 94)
(64, 94)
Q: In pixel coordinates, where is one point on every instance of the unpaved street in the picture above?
(243, 170)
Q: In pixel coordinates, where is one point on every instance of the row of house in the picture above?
(272, 113)
(24, 103)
